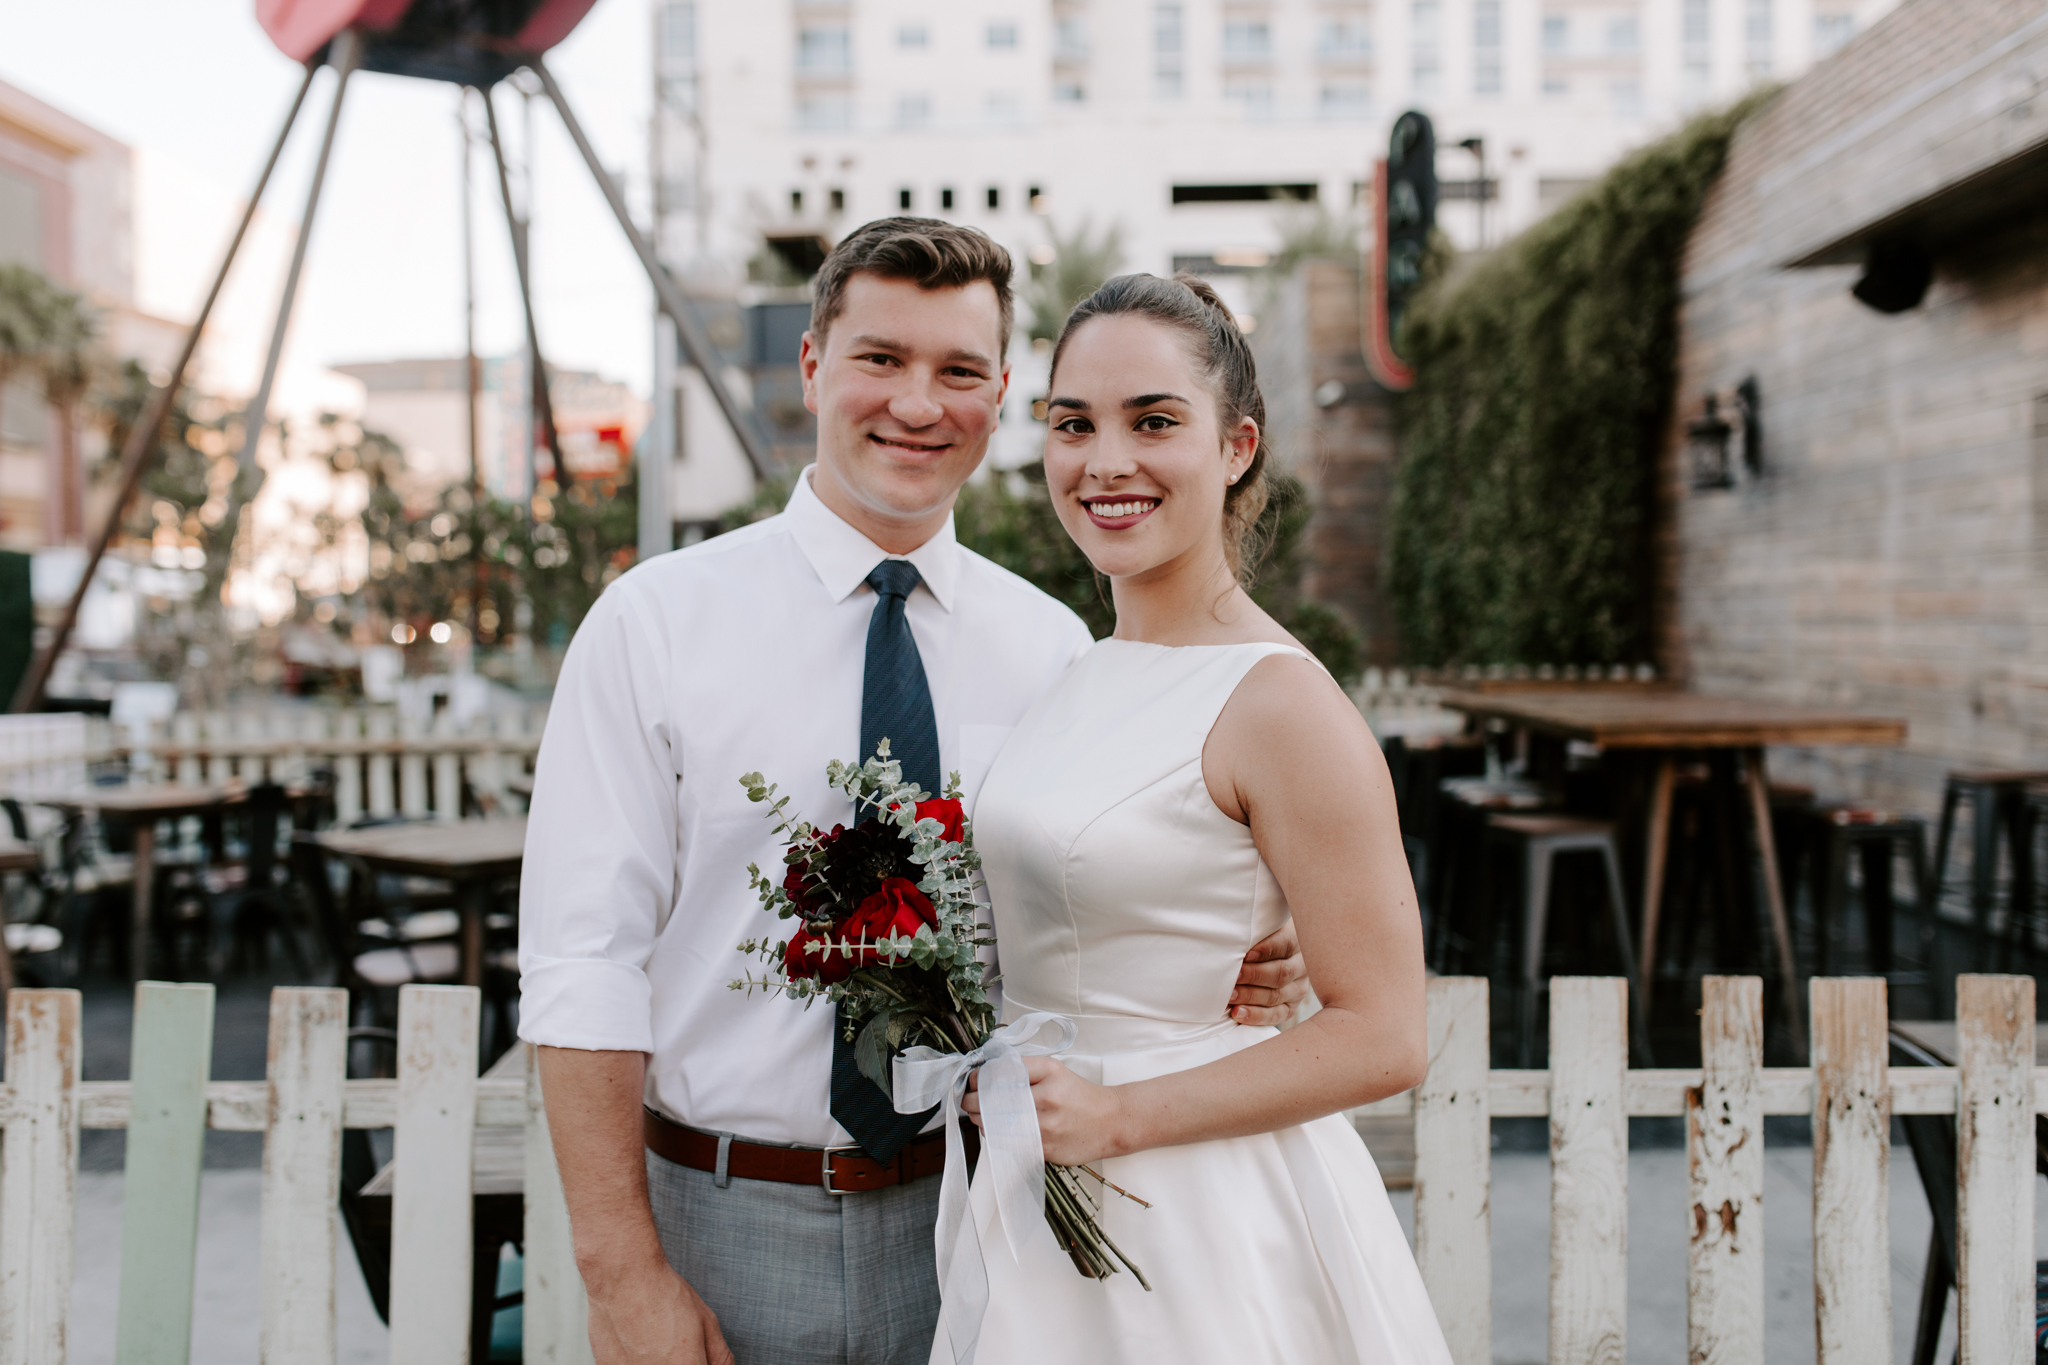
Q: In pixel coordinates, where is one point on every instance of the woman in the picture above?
(1181, 788)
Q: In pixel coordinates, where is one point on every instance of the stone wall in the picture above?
(1330, 423)
(1892, 557)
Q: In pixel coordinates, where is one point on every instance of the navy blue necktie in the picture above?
(896, 705)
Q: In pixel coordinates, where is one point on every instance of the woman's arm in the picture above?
(1291, 757)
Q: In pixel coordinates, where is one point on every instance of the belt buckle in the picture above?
(825, 1164)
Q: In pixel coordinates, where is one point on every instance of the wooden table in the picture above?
(472, 854)
(1665, 725)
(140, 807)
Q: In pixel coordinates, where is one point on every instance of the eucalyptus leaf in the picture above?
(871, 1051)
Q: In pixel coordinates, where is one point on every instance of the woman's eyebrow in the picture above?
(1146, 400)
(1078, 404)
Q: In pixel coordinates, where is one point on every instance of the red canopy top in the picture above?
(301, 28)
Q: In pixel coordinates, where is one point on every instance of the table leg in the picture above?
(1657, 845)
(1774, 892)
(474, 899)
(145, 888)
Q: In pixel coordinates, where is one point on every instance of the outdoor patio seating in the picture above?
(1995, 799)
(1874, 839)
(1534, 843)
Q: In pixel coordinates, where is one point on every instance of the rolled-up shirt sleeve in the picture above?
(600, 869)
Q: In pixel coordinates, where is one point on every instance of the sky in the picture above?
(197, 88)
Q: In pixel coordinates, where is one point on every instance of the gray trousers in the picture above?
(801, 1277)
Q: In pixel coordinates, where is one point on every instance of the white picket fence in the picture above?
(1589, 1094)
(383, 763)
(434, 1105)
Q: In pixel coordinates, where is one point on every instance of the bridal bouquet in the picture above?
(887, 928)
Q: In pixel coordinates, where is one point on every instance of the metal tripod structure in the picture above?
(345, 54)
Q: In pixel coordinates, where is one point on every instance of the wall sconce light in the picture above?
(1709, 436)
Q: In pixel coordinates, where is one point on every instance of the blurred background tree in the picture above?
(1074, 266)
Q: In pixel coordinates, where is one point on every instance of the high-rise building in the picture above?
(1199, 128)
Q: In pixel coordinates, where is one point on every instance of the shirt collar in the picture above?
(843, 558)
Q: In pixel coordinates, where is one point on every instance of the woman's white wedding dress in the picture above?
(1125, 900)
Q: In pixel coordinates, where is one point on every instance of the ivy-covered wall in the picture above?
(1522, 509)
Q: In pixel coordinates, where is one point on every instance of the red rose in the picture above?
(948, 813)
(897, 909)
(799, 960)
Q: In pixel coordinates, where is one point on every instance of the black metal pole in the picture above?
(689, 330)
(346, 51)
(543, 404)
(142, 436)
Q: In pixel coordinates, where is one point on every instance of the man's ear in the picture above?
(807, 357)
(1003, 387)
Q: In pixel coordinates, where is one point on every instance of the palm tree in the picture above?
(1073, 268)
(50, 332)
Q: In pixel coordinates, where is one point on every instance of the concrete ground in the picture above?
(224, 1325)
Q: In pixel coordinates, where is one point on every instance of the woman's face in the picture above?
(1136, 462)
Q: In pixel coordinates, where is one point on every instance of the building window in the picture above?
(839, 201)
(1426, 45)
(1070, 40)
(1696, 51)
(1254, 97)
(1167, 41)
(1069, 92)
(912, 35)
(825, 111)
(1347, 38)
(1756, 32)
(1623, 36)
(995, 197)
(679, 35)
(1486, 56)
(1247, 39)
(946, 198)
(913, 111)
(1345, 102)
(1830, 31)
(1003, 35)
(903, 200)
(1626, 98)
(796, 201)
(824, 49)
(1557, 33)
(1034, 199)
(1003, 107)
(1556, 87)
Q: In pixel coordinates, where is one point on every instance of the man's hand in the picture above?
(653, 1317)
(1272, 981)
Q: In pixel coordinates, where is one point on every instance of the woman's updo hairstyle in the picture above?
(1187, 304)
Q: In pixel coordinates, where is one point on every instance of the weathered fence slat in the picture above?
(1724, 1296)
(1852, 1117)
(412, 772)
(1588, 1171)
(383, 797)
(170, 1057)
(302, 1173)
(555, 1325)
(1453, 1169)
(1995, 1168)
(431, 1210)
(38, 1179)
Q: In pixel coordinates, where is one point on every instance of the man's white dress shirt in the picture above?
(742, 654)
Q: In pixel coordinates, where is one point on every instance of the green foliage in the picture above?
(1522, 507)
(46, 330)
(1008, 518)
(1080, 264)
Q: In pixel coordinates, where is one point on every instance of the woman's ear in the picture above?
(1240, 449)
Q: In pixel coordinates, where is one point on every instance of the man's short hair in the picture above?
(929, 253)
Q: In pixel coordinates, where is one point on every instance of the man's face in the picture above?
(908, 385)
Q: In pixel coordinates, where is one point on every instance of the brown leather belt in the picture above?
(838, 1170)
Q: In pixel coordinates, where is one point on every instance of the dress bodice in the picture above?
(1122, 897)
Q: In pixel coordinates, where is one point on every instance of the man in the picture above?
(852, 616)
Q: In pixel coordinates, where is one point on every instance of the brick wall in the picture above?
(1340, 441)
(1891, 558)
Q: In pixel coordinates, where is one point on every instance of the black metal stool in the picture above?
(1875, 838)
(1996, 799)
(1540, 839)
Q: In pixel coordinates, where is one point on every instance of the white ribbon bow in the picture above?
(1011, 1155)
